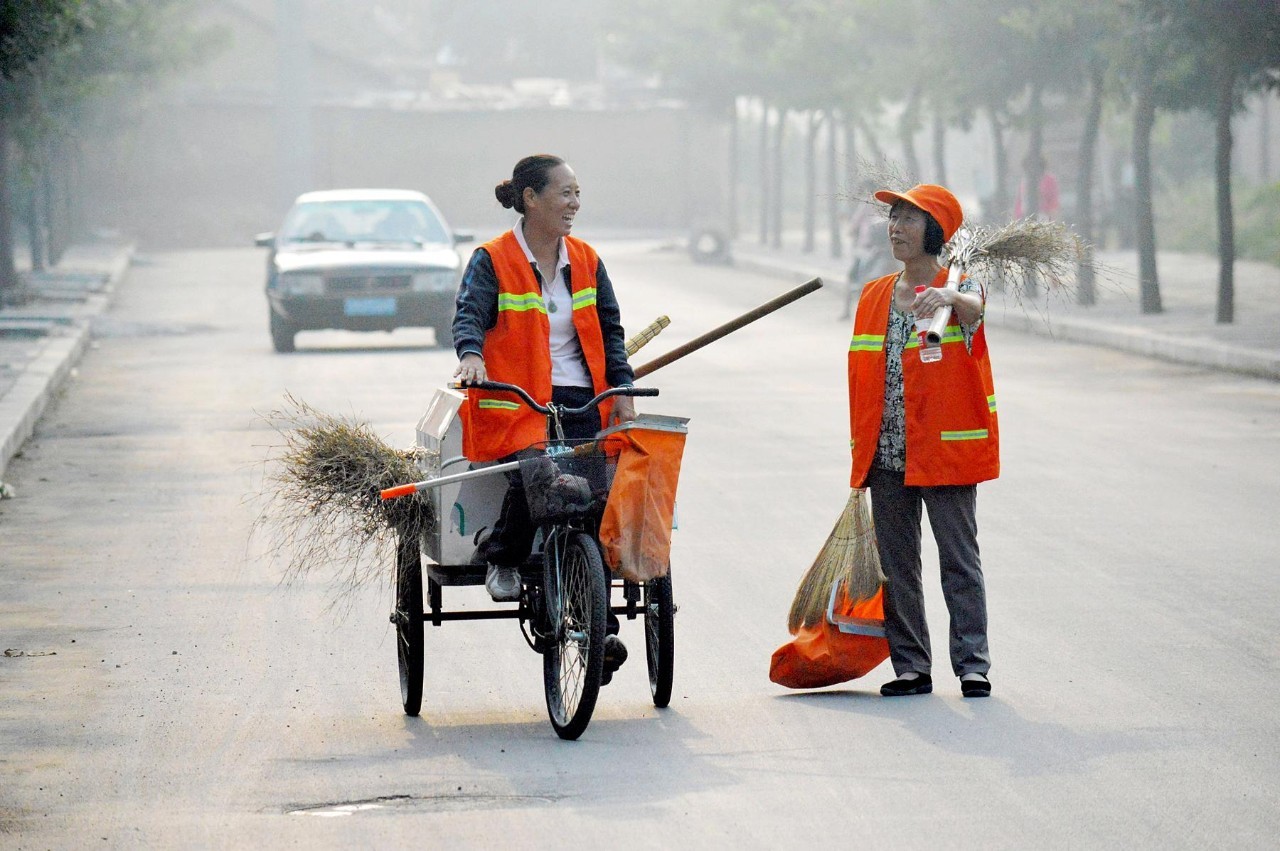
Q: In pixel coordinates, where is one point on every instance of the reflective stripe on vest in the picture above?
(972, 434)
(526, 301)
(500, 405)
(866, 343)
(952, 334)
(584, 298)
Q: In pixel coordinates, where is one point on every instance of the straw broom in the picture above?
(849, 556)
(320, 509)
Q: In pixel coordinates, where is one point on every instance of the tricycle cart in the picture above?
(566, 589)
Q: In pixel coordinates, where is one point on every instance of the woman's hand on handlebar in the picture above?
(471, 369)
(624, 410)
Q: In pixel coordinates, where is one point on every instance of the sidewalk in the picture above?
(1184, 333)
(42, 339)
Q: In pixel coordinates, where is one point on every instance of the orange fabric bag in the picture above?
(848, 643)
(635, 531)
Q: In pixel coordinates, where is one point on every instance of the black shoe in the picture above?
(615, 653)
(976, 688)
(922, 684)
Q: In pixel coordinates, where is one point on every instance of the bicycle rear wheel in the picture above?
(576, 600)
(660, 638)
(410, 649)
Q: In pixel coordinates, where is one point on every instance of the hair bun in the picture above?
(505, 192)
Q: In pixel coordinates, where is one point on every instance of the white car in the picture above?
(362, 260)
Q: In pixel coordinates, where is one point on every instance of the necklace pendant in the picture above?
(551, 306)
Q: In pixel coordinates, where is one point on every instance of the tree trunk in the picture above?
(811, 179)
(869, 136)
(1264, 134)
(1085, 284)
(1033, 171)
(1144, 118)
(833, 183)
(1226, 84)
(731, 191)
(765, 208)
(1000, 191)
(939, 148)
(35, 221)
(8, 272)
(777, 201)
(53, 183)
(849, 136)
(908, 123)
(1033, 165)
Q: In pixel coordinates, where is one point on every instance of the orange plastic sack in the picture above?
(635, 531)
(848, 643)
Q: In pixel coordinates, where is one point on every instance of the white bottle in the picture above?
(928, 354)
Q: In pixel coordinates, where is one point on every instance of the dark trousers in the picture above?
(511, 541)
(895, 510)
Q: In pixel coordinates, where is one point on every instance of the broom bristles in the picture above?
(849, 556)
(320, 508)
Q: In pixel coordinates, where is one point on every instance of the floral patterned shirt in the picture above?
(891, 448)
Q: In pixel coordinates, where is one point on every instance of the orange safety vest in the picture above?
(952, 436)
(517, 350)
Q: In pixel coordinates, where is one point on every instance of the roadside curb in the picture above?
(1150, 344)
(1126, 338)
(44, 376)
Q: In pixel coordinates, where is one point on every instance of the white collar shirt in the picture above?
(568, 366)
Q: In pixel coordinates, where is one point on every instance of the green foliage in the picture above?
(1258, 223)
(30, 29)
(1186, 219)
(93, 49)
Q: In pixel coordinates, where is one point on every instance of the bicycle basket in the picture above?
(572, 482)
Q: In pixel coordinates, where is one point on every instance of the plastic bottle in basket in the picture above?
(928, 354)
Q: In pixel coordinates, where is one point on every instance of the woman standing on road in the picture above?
(536, 309)
(924, 433)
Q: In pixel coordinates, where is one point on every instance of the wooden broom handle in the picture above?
(729, 327)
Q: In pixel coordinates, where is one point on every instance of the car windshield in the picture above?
(373, 221)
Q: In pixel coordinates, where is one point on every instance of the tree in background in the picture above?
(29, 31)
(61, 60)
(696, 55)
(1236, 44)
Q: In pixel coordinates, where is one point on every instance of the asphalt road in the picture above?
(161, 689)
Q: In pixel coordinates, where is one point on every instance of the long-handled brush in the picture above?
(849, 556)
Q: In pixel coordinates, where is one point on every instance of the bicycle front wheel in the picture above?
(576, 600)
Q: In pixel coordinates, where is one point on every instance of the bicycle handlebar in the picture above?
(501, 387)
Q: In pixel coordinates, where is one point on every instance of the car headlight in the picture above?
(302, 284)
(434, 281)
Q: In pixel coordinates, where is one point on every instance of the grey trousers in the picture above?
(895, 510)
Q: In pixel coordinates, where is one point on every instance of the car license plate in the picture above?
(370, 307)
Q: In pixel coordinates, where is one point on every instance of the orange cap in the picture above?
(935, 200)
